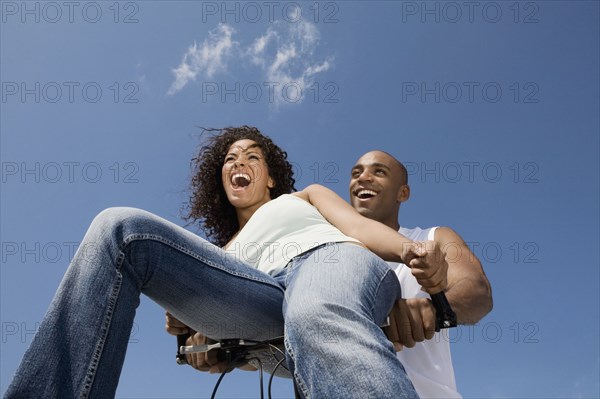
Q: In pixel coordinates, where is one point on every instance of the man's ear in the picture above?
(403, 193)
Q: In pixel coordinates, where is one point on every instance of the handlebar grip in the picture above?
(181, 340)
(444, 315)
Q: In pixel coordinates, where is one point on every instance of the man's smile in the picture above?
(364, 194)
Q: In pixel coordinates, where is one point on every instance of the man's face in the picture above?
(378, 186)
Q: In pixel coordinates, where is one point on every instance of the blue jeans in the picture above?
(329, 300)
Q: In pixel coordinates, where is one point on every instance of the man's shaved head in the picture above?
(403, 171)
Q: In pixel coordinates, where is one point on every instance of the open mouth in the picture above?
(365, 193)
(240, 180)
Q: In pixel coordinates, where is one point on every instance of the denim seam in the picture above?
(376, 294)
(137, 237)
(297, 378)
(288, 270)
(96, 356)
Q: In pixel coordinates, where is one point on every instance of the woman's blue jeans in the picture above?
(329, 301)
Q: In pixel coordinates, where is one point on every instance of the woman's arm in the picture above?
(379, 238)
(429, 268)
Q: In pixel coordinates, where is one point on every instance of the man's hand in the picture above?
(429, 266)
(411, 321)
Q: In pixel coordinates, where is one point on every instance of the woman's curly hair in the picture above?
(208, 202)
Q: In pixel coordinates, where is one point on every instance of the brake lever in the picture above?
(202, 348)
(228, 349)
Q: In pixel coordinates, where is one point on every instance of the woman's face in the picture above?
(245, 175)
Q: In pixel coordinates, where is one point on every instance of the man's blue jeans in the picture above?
(329, 301)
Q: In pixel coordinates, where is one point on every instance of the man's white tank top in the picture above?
(280, 230)
(429, 363)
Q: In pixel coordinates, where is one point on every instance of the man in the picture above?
(378, 186)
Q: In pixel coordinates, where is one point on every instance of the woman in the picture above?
(281, 267)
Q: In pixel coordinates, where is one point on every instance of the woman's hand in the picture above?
(175, 327)
(203, 361)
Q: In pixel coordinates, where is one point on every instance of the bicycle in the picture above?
(263, 354)
(266, 356)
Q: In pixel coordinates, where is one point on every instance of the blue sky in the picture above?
(493, 106)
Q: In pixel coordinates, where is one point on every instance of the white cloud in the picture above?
(208, 59)
(307, 34)
(284, 54)
(258, 48)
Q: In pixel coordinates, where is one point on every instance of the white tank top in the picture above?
(280, 230)
(429, 363)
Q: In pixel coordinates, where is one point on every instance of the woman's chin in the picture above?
(239, 200)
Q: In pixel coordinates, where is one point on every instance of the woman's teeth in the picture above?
(240, 179)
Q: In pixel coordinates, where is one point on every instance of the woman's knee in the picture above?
(108, 230)
(115, 216)
(353, 275)
(359, 284)
(118, 222)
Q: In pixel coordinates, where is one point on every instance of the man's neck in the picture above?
(392, 223)
(391, 219)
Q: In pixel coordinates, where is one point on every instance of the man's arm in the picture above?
(469, 291)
